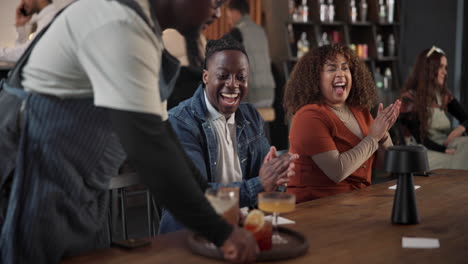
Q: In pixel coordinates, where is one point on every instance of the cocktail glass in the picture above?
(225, 201)
(276, 203)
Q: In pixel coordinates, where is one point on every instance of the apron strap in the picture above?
(14, 77)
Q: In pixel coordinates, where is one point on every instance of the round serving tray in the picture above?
(297, 245)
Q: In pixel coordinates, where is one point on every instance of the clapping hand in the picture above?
(276, 170)
(384, 120)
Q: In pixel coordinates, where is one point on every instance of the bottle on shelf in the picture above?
(323, 11)
(302, 45)
(391, 45)
(378, 79)
(387, 79)
(382, 12)
(363, 11)
(292, 9)
(353, 11)
(291, 34)
(305, 11)
(364, 51)
(324, 40)
(380, 46)
(390, 10)
(331, 11)
(335, 36)
(352, 46)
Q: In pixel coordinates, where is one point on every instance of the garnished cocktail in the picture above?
(276, 203)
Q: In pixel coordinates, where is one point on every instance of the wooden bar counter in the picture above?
(349, 228)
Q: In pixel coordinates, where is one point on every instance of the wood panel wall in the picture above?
(221, 26)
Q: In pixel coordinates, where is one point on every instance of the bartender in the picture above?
(93, 93)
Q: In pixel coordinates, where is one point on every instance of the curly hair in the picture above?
(422, 82)
(303, 86)
(227, 42)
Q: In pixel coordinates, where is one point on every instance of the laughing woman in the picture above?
(329, 95)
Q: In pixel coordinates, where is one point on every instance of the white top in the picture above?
(228, 168)
(100, 49)
(24, 35)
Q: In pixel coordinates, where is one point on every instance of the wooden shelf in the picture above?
(334, 23)
(361, 24)
(386, 58)
(347, 32)
(299, 23)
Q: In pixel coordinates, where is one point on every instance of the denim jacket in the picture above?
(190, 121)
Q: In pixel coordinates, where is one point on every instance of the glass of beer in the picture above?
(225, 201)
(276, 203)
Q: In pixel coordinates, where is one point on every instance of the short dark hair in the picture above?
(225, 43)
(241, 5)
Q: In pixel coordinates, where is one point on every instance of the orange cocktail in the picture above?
(277, 206)
(276, 203)
(260, 228)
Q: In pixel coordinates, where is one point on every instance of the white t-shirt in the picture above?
(228, 167)
(103, 49)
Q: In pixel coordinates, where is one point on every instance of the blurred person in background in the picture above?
(255, 41)
(31, 17)
(426, 107)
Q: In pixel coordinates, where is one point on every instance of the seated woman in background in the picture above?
(425, 103)
(330, 93)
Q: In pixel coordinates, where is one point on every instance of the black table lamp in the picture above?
(403, 161)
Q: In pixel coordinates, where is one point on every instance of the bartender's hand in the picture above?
(21, 15)
(276, 170)
(240, 247)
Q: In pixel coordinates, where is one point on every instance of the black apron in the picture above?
(61, 160)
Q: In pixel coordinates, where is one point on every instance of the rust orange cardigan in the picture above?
(315, 129)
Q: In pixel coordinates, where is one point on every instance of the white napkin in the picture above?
(393, 187)
(419, 242)
(281, 220)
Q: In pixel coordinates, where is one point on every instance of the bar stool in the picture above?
(119, 183)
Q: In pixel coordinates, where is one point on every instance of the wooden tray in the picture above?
(297, 245)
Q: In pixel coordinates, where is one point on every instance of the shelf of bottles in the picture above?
(369, 27)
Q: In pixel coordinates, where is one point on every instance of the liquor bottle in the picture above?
(324, 39)
(323, 11)
(292, 9)
(391, 45)
(391, 10)
(387, 79)
(378, 78)
(353, 9)
(382, 12)
(380, 46)
(363, 11)
(331, 11)
(302, 45)
(305, 11)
